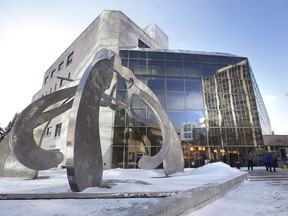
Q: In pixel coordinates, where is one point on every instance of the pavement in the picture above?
(145, 203)
(161, 203)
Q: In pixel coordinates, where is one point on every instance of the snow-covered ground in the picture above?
(250, 198)
(261, 198)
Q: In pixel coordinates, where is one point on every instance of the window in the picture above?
(61, 82)
(70, 58)
(175, 100)
(174, 68)
(156, 83)
(61, 66)
(58, 130)
(141, 44)
(52, 73)
(193, 84)
(175, 84)
(208, 70)
(138, 55)
(48, 131)
(46, 79)
(174, 56)
(138, 66)
(207, 58)
(192, 69)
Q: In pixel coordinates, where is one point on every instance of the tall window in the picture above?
(58, 130)
(70, 58)
(61, 82)
(46, 79)
(52, 73)
(61, 66)
(48, 131)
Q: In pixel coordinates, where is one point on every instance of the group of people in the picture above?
(269, 160)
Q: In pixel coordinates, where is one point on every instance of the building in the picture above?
(211, 98)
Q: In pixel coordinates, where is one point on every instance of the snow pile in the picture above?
(124, 180)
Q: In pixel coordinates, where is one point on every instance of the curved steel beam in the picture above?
(84, 157)
(22, 142)
(10, 166)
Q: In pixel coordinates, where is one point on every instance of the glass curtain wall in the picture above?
(209, 98)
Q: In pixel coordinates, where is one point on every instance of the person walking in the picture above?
(250, 159)
(266, 161)
(271, 161)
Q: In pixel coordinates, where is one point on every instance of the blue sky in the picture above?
(33, 34)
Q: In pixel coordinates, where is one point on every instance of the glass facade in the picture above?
(212, 100)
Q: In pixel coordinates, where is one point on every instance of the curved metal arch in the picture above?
(22, 142)
(84, 156)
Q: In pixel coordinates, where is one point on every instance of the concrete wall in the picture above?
(275, 140)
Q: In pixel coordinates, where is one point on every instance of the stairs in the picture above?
(263, 175)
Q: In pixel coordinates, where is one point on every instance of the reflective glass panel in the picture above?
(156, 67)
(121, 83)
(191, 57)
(208, 69)
(156, 55)
(213, 118)
(215, 136)
(221, 66)
(138, 118)
(174, 56)
(174, 68)
(197, 117)
(177, 117)
(121, 95)
(194, 101)
(191, 69)
(120, 117)
(211, 101)
(223, 60)
(138, 66)
(143, 78)
(236, 60)
(175, 100)
(151, 120)
(123, 54)
(138, 54)
(140, 115)
(193, 84)
(248, 136)
(156, 83)
(207, 58)
(175, 84)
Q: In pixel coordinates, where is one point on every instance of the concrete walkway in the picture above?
(158, 203)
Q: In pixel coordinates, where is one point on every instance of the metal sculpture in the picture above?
(84, 157)
(171, 153)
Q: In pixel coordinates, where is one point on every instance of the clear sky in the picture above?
(33, 34)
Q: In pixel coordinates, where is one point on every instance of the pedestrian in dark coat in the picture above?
(271, 161)
(250, 159)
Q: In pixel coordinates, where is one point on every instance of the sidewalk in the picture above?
(131, 192)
